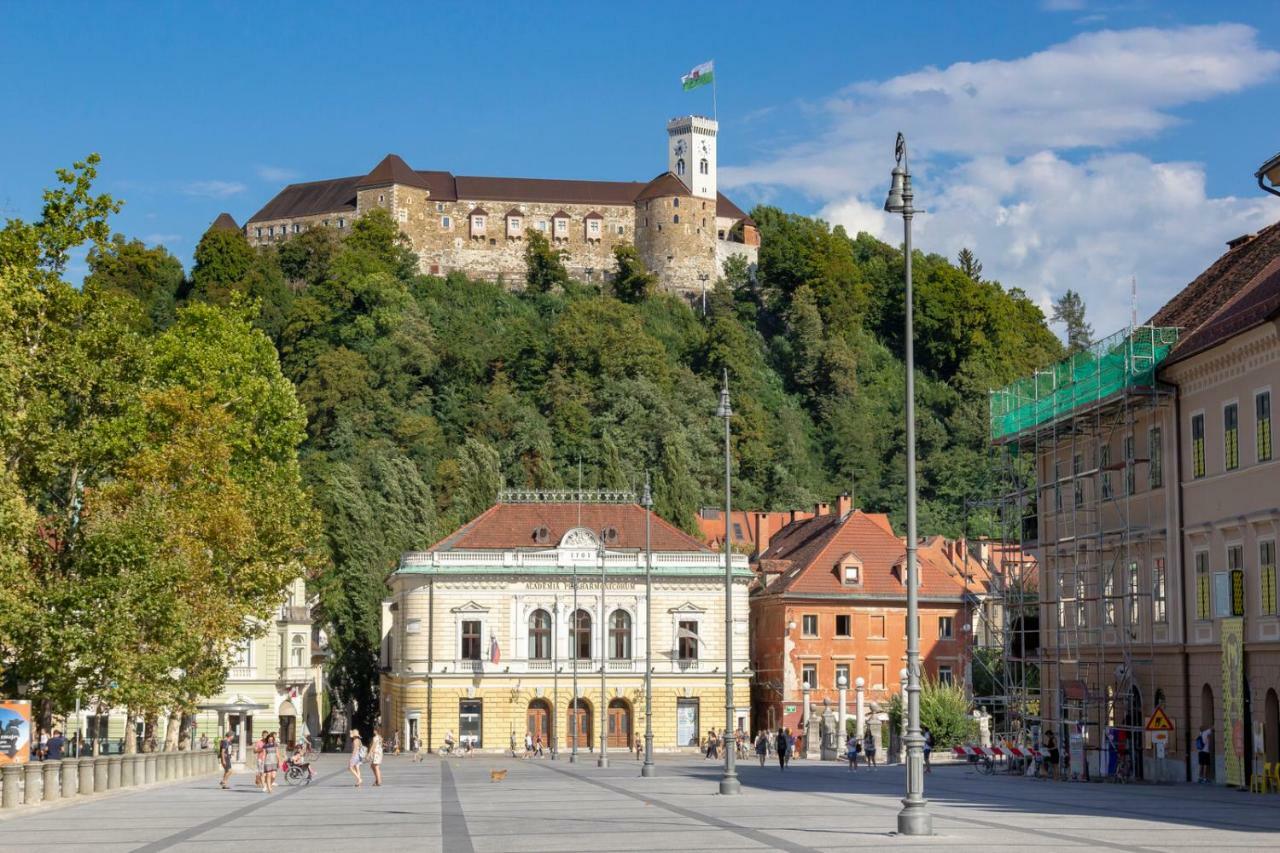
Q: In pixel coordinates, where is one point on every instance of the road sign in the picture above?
(1159, 722)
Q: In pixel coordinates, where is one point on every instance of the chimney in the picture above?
(844, 505)
(821, 509)
(762, 532)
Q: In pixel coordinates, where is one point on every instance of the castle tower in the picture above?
(691, 153)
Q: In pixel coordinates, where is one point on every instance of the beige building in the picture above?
(682, 226)
(489, 626)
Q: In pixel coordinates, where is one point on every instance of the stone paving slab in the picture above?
(555, 806)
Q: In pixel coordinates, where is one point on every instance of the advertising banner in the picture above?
(15, 731)
(1233, 721)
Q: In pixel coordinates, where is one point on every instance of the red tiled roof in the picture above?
(662, 186)
(224, 222)
(393, 170)
(548, 191)
(809, 551)
(1255, 303)
(513, 525)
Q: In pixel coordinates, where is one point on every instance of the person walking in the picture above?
(375, 756)
(851, 749)
(869, 749)
(55, 746)
(791, 743)
(928, 748)
(762, 747)
(528, 744)
(224, 757)
(204, 741)
(270, 762)
(783, 746)
(1204, 753)
(353, 765)
(258, 758)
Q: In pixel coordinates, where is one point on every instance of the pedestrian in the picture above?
(224, 756)
(1204, 752)
(784, 748)
(528, 744)
(928, 748)
(762, 747)
(258, 757)
(204, 741)
(1051, 756)
(357, 756)
(869, 749)
(270, 762)
(791, 743)
(537, 746)
(375, 756)
(851, 750)
(55, 746)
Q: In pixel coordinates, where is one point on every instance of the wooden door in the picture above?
(538, 723)
(580, 727)
(619, 727)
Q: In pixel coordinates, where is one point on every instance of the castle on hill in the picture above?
(683, 228)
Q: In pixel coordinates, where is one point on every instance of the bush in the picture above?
(944, 709)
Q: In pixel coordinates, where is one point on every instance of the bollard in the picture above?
(31, 784)
(99, 774)
(188, 764)
(51, 789)
(84, 772)
(126, 771)
(166, 766)
(139, 761)
(113, 771)
(11, 774)
(149, 772)
(68, 778)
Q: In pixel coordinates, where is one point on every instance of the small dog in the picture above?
(497, 775)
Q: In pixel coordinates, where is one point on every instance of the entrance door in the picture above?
(619, 725)
(288, 726)
(580, 725)
(538, 721)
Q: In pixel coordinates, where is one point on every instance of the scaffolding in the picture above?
(1076, 625)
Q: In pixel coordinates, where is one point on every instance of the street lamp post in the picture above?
(553, 730)
(902, 720)
(914, 819)
(575, 724)
(648, 768)
(703, 277)
(603, 761)
(729, 782)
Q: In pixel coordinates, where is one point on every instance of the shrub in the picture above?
(944, 709)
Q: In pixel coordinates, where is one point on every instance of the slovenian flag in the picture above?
(699, 76)
(495, 653)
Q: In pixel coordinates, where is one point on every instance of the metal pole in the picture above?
(603, 761)
(648, 768)
(729, 782)
(914, 819)
(553, 733)
(573, 656)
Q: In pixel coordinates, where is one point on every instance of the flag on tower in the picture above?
(700, 76)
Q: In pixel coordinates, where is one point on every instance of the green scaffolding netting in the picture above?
(1126, 359)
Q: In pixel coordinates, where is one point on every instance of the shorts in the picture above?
(1204, 759)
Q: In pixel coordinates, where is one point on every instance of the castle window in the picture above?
(704, 222)
(704, 168)
(402, 215)
(542, 225)
(296, 228)
(342, 223)
(446, 223)
(381, 198)
(676, 219)
(720, 234)
(477, 224)
(622, 230)
(439, 207)
(513, 226)
(680, 166)
(560, 227)
(259, 230)
(593, 228)
(675, 202)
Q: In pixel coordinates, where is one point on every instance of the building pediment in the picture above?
(470, 607)
(687, 607)
(577, 538)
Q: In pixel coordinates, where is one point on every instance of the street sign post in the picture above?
(1160, 728)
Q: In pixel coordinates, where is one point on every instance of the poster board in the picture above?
(15, 731)
(1232, 638)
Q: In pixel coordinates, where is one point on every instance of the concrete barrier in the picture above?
(126, 771)
(188, 764)
(69, 778)
(113, 771)
(149, 764)
(84, 769)
(31, 783)
(51, 789)
(11, 778)
(99, 773)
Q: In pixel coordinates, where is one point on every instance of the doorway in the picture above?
(619, 724)
(1206, 722)
(1271, 728)
(538, 721)
(580, 724)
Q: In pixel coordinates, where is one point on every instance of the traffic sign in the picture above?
(1159, 722)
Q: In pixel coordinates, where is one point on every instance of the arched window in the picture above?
(680, 166)
(704, 167)
(620, 635)
(580, 635)
(540, 635)
(295, 653)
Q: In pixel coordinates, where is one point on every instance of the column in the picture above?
(860, 707)
(84, 770)
(31, 783)
(804, 724)
(843, 684)
(51, 789)
(69, 777)
(11, 774)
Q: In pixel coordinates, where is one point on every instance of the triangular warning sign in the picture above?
(1159, 722)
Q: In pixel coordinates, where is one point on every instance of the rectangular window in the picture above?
(875, 627)
(471, 639)
(1204, 593)
(809, 675)
(259, 230)
(688, 639)
(809, 625)
(342, 223)
(944, 627)
(470, 722)
(842, 671)
(1197, 445)
(1132, 592)
(1108, 595)
(402, 215)
(1057, 486)
(844, 625)
(593, 227)
(1160, 591)
(621, 230)
(1104, 462)
(945, 676)
(877, 676)
(1267, 573)
(446, 223)
(1231, 437)
(542, 225)
(1077, 465)
(439, 207)
(1127, 450)
(1155, 471)
(1262, 411)
(1082, 602)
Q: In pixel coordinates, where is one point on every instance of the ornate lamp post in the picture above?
(914, 819)
(648, 768)
(553, 732)
(575, 724)
(603, 760)
(729, 782)
(902, 721)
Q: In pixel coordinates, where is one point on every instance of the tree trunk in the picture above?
(130, 739)
(171, 731)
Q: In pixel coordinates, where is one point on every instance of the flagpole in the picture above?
(715, 112)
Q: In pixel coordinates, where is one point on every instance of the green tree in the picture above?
(152, 276)
(632, 281)
(544, 265)
(1068, 309)
(969, 264)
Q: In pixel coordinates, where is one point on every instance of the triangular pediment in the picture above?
(470, 607)
(687, 607)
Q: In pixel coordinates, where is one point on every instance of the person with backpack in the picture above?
(762, 747)
(1204, 753)
(225, 748)
(783, 746)
(357, 757)
(851, 750)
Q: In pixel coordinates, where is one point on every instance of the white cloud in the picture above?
(1017, 159)
(213, 189)
(276, 174)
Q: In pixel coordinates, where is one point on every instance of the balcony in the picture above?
(686, 664)
(294, 613)
(242, 673)
(294, 674)
(621, 666)
(540, 666)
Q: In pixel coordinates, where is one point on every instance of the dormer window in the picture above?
(560, 228)
(478, 220)
(515, 224)
(849, 569)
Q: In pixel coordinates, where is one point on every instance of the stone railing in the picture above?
(49, 781)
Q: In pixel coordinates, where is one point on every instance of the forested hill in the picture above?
(426, 395)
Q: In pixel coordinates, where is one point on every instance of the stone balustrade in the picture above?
(49, 781)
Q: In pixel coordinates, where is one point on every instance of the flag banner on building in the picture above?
(1233, 699)
(495, 653)
(701, 75)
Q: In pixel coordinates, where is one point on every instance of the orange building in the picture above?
(830, 601)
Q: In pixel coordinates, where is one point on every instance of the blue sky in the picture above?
(1070, 143)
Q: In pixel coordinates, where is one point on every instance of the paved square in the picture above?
(554, 806)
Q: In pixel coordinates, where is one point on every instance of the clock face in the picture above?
(705, 147)
(679, 148)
